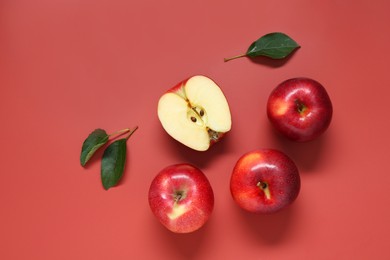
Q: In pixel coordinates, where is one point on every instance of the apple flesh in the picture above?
(195, 112)
(300, 109)
(181, 198)
(264, 181)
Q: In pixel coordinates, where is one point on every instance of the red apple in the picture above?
(195, 112)
(264, 181)
(300, 109)
(181, 198)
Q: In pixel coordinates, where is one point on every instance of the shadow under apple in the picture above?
(306, 155)
(187, 245)
(269, 228)
(198, 158)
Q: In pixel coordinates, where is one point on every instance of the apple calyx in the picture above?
(214, 135)
(264, 187)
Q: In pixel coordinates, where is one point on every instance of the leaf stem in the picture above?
(131, 132)
(120, 132)
(124, 131)
(234, 57)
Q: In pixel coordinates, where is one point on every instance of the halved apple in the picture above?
(195, 113)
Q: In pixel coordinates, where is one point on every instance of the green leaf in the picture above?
(273, 45)
(94, 141)
(113, 163)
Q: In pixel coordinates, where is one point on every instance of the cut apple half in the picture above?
(195, 113)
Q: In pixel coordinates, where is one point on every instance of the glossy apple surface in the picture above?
(181, 198)
(195, 113)
(300, 109)
(264, 181)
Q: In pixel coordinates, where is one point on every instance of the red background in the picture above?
(70, 66)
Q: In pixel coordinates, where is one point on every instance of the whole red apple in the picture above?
(181, 198)
(265, 181)
(300, 109)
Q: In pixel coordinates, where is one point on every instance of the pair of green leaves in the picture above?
(114, 156)
(273, 45)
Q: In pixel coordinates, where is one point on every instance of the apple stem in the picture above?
(234, 57)
(264, 187)
(179, 195)
(300, 106)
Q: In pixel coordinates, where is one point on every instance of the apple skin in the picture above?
(178, 86)
(300, 109)
(181, 198)
(265, 181)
